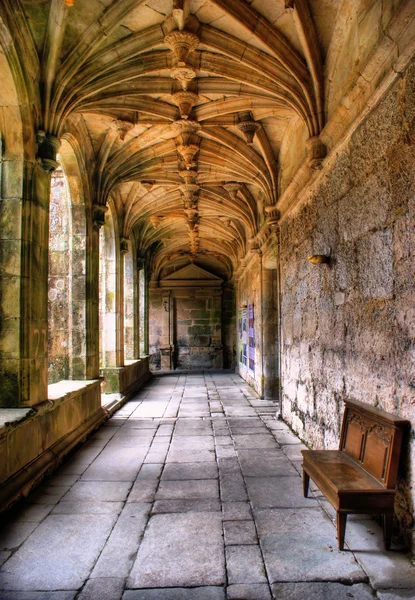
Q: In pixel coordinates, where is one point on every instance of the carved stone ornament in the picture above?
(182, 43)
(123, 127)
(183, 75)
(185, 101)
(48, 146)
(316, 152)
(272, 212)
(188, 153)
(232, 189)
(249, 129)
(98, 217)
(147, 185)
(124, 245)
(189, 177)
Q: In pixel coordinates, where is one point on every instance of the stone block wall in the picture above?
(348, 328)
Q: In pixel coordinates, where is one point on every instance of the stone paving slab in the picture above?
(180, 550)
(38, 595)
(143, 490)
(61, 553)
(249, 591)
(46, 494)
(386, 569)
(116, 558)
(195, 489)
(186, 505)
(239, 532)
(106, 588)
(34, 513)
(321, 591)
(199, 593)
(181, 471)
(116, 464)
(87, 508)
(14, 534)
(277, 492)
(102, 491)
(301, 546)
(236, 511)
(396, 594)
(150, 471)
(244, 564)
(265, 463)
(179, 455)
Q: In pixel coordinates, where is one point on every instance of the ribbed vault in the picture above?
(185, 104)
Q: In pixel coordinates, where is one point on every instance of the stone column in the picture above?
(94, 223)
(166, 349)
(269, 332)
(216, 324)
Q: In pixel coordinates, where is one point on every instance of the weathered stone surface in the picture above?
(101, 491)
(244, 564)
(201, 593)
(106, 588)
(277, 492)
(321, 591)
(239, 532)
(179, 550)
(248, 591)
(60, 566)
(302, 547)
(185, 471)
(186, 506)
(235, 511)
(196, 489)
(117, 557)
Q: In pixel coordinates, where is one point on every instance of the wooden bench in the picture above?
(360, 477)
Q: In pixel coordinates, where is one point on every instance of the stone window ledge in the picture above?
(57, 393)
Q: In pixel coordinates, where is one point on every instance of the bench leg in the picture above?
(387, 530)
(341, 529)
(306, 483)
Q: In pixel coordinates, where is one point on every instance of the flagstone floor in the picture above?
(192, 491)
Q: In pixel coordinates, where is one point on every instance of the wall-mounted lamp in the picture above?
(320, 259)
(166, 306)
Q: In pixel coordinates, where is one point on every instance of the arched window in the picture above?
(107, 291)
(129, 305)
(67, 271)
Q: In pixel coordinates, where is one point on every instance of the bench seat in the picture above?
(360, 477)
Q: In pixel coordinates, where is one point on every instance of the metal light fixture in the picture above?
(319, 259)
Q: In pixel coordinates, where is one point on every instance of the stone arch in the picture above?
(67, 270)
(11, 215)
(108, 292)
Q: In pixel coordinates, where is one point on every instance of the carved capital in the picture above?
(184, 75)
(124, 245)
(232, 188)
(182, 43)
(249, 129)
(273, 214)
(316, 152)
(188, 153)
(98, 216)
(123, 127)
(48, 146)
(185, 102)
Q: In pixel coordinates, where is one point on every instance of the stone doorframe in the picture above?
(190, 282)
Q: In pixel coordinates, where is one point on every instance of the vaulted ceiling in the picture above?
(186, 105)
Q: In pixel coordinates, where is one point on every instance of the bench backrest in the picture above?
(373, 439)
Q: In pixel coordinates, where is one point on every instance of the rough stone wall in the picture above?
(349, 327)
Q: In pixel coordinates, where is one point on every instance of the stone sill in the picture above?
(57, 393)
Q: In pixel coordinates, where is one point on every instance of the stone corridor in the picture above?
(191, 491)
